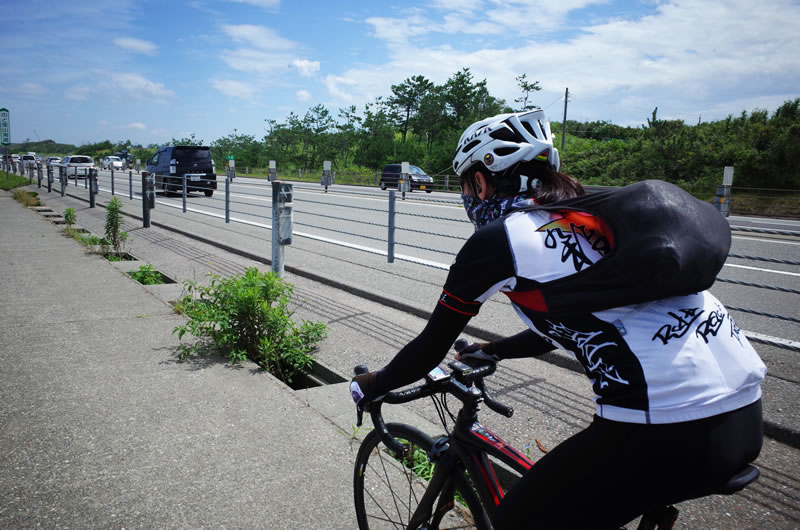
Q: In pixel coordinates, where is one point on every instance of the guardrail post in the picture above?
(404, 183)
(723, 198)
(112, 181)
(148, 197)
(130, 184)
(39, 176)
(227, 200)
(49, 179)
(326, 174)
(30, 174)
(282, 212)
(85, 178)
(390, 236)
(92, 178)
(184, 193)
(62, 178)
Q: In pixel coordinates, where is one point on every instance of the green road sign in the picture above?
(5, 128)
(230, 157)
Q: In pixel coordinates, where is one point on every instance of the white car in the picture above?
(28, 160)
(77, 165)
(112, 162)
(53, 161)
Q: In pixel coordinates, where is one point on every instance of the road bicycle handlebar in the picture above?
(458, 382)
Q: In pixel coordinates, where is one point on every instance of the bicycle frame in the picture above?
(468, 448)
(462, 457)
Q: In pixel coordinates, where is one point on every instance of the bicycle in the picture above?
(404, 478)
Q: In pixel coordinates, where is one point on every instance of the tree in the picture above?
(406, 98)
(375, 140)
(527, 88)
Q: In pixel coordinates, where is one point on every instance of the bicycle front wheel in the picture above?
(388, 488)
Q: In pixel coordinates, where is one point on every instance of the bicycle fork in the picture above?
(441, 485)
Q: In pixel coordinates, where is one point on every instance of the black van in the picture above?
(172, 162)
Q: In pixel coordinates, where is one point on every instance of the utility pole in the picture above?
(564, 121)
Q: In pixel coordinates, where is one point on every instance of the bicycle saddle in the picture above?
(740, 480)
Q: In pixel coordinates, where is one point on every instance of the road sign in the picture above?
(230, 157)
(5, 128)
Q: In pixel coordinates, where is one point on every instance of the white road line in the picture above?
(767, 240)
(773, 341)
(762, 270)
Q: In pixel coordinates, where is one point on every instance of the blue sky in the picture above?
(84, 71)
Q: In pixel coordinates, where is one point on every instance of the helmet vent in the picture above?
(544, 131)
(505, 151)
(529, 129)
(470, 146)
(503, 133)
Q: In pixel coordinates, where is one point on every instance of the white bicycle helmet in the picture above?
(504, 140)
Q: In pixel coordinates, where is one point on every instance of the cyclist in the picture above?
(677, 385)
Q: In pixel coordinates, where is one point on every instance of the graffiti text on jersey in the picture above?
(592, 360)
(570, 238)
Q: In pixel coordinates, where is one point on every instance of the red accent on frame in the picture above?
(489, 484)
(503, 447)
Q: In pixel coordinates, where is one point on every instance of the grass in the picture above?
(28, 198)
(147, 275)
(9, 181)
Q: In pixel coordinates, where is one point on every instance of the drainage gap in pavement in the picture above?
(319, 375)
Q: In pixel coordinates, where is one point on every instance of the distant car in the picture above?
(172, 162)
(77, 165)
(52, 161)
(112, 162)
(28, 160)
(419, 179)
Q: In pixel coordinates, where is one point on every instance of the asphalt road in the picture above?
(549, 400)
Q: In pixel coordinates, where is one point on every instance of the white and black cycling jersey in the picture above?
(670, 360)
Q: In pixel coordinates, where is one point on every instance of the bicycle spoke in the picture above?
(389, 489)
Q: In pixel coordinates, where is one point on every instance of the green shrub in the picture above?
(147, 275)
(114, 236)
(69, 217)
(247, 317)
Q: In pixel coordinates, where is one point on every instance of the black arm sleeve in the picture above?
(524, 344)
(423, 353)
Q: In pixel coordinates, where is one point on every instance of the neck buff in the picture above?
(482, 213)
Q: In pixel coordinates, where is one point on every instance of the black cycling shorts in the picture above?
(612, 472)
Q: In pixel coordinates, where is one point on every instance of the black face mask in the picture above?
(482, 212)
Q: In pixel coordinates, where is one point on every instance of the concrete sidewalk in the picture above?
(102, 427)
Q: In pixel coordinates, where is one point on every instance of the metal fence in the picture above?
(401, 229)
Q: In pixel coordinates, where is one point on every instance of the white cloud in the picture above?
(140, 87)
(260, 37)
(136, 45)
(685, 56)
(334, 85)
(255, 61)
(136, 125)
(303, 95)
(127, 85)
(33, 89)
(306, 68)
(238, 89)
(77, 92)
(266, 4)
